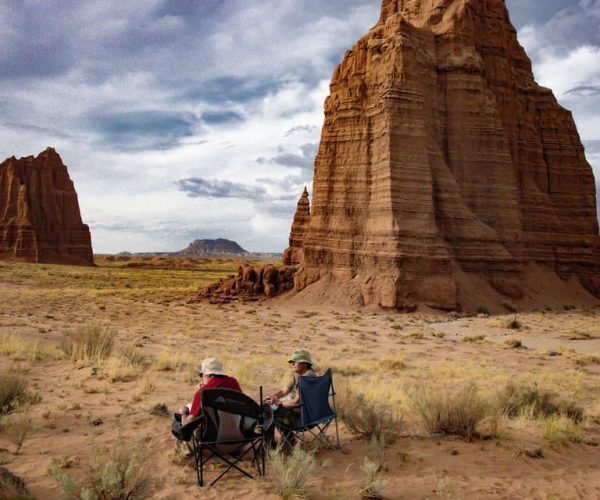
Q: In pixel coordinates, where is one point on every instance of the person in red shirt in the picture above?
(213, 374)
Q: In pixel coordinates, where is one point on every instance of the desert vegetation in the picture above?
(85, 351)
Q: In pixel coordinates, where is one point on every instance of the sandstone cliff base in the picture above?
(445, 174)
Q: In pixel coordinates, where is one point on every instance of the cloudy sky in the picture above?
(184, 119)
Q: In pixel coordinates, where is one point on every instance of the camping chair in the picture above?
(316, 414)
(229, 422)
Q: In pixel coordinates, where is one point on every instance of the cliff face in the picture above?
(292, 255)
(40, 219)
(442, 159)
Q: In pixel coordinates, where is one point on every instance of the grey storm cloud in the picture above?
(143, 130)
(226, 89)
(221, 117)
(585, 90)
(197, 187)
(304, 160)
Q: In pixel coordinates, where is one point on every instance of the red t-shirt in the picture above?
(213, 383)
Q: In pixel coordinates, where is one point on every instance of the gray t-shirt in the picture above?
(291, 383)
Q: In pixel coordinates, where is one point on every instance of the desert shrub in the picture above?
(517, 400)
(514, 324)
(160, 410)
(483, 310)
(13, 390)
(373, 465)
(89, 343)
(292, 472)
(443, 410)
(120, 472)
(514, 343)
(12, 486)
(369, 419)
(474, 338)
(17, 427)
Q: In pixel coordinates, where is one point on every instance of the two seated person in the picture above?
(285, 401)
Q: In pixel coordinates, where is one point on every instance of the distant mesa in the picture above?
(40, 219)
(446, 176)
(220, 246)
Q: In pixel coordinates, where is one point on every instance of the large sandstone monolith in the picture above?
(445, 174)
(39, 212)
(291, 256)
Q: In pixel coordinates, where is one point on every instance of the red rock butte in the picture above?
(39, 212)
(446, 175)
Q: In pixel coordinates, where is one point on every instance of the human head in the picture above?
(210, 367)
(301, 361)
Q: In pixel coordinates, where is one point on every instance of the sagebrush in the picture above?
(446, 410)
(372, 420)
(121, 472)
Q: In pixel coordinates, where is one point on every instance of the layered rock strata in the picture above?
(441, 160)
(40, 219)
(291, 256)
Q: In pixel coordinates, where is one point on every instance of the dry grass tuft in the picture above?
(17, 427)
(13, 391)
(174, 361)
(119, 472)
(560, 429)
(373, 465)
(444, 410)
(21, 349)
(89, 343)
(121, 370)
(292, 472)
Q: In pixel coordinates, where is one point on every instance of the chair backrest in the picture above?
(314, 398)
(230, 415)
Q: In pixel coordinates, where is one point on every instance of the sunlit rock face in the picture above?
(444, 170)
(292, 254)
(40, 219)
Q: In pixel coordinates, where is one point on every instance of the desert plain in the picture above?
(79, 408)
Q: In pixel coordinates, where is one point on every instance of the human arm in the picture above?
(276, 396)
(291, 403)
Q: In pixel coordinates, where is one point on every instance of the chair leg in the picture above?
(262, 452)
(201, 465)
(337, 433)
(196, 460)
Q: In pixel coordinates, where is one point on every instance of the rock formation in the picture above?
(444, 170)
(211, 247)
(39, 212)
(291, 256)
(251, 283)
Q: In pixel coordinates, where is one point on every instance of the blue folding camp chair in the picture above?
(316, 414)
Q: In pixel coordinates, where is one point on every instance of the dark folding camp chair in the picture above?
(228, 432)
(316, 414)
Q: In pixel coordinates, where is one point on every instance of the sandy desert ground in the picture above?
(386, 356)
